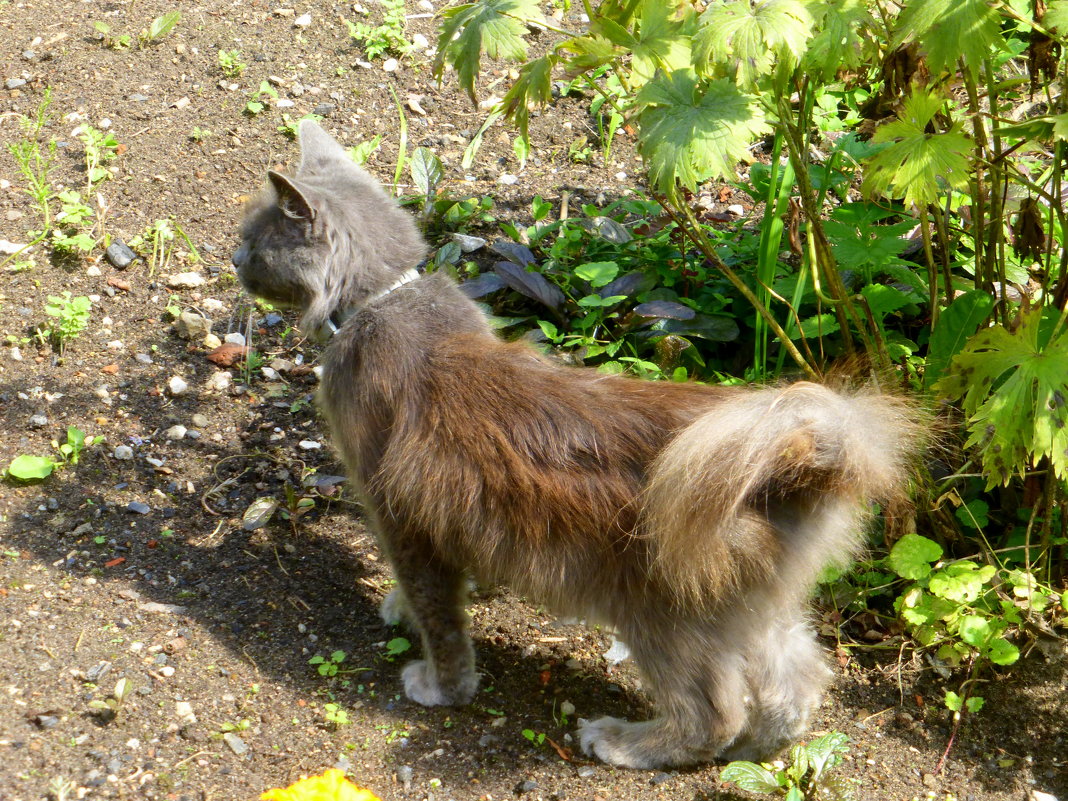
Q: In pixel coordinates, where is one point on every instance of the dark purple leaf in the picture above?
(705, 326)
(513, 251)
(483, 285)
(533, 285)
(629, 285)
(665, 308)
(607, 228)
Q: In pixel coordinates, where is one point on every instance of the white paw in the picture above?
(604, 738)
(421, 685)
(394, 608)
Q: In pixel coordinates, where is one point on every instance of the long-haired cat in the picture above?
(693, 520)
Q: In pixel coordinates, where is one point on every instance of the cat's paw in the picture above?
(421, 684)
(394, 608)
(612, 740)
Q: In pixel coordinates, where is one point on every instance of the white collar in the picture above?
(341, 315)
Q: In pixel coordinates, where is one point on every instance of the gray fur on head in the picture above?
(343, 237)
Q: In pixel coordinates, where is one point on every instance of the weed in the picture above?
(335, 716)
(62, 789)
(110, 707)
(71, 318)
(199, 134)
(362, 152)
(387, 37)
(808, 777)
(159, 28)
(101, 148)
(37, 162)
(256, 103)
(328, 666)
(535, 738)
(231, 64)
(120, 42)
(158, 240)
(396, 647)
(27, 467)
(289, 126)
(68, 236)
(242, 725)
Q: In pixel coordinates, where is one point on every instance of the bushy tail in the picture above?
(773, 484)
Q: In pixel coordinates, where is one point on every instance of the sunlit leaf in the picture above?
(750, 36)
(912, 555)
(30, 468)
(533, 87)
(947, 30)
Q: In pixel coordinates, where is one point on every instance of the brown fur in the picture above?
(692, 519)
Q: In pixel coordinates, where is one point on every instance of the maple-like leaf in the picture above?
(663, 41)
(1056, 16)
(843, 28)
(950, 29)
(750, 36)
(917, 165)
(532, 87)
(1013, 386)
(495, 27)
(690, 132)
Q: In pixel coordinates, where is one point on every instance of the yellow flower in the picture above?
(331, 786)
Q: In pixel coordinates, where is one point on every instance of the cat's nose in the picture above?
(240, 257)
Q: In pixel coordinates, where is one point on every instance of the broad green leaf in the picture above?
(954, 702)
(596, 301)
(912, 555)
(533, 87)
(1013, 391)
(1041, 129)
(427, 172)
(859, 241)
(495, 27)
(689, 133)
(598, 273)
(960, 582)
(825, 752)
(883, 299)
(843, 29)
(665, 30)
(956, 323)
(974, 630)
(750, 776)
(794, 794)
(1002, 652)
(974, 514)
(590, 52)
(1057, 16)
(947, 30)
(975, 703)
(917, 165)
(751, 36)
(30, 468)
(163, 25)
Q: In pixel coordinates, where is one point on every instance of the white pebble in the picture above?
(309, 445)
(123, 452)
(167, 671)
(303, 21)
(234, 338)
(177, 385)
(116, 344)
(175, 432)
(220, 382)
(93, 271)
(16, 355)
(269, 373)
(737, 210)
(419, 42)
(507, 179)
(390, 65)
(189, 280)
(567, 708)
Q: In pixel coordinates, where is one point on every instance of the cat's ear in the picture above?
(317, 147)
(290, 199)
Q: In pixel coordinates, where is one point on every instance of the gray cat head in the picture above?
(325, 238)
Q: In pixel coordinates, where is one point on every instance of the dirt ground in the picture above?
(134, 563)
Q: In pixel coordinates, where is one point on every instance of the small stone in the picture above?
(123, 453)
(93, 271)
(567, 709)
(420, 42)
(137, 97)
(929, 780)
(507, 179)
(188, 280)
(192, 326)
(14, 83)
(467, 243)
(38, 420)
(660, 778)
(236, 744)
(97, 671)
(16, 355)
(404, 775)
(184, 711)
(29, 55)
(138, 508)
(200, 420)
(736, 209)
(284, 102)
(220, 382)
(211, 342)
(587, 772)
(269, 373)
(526, 786)
(309, 445)
(425, 5)
(213, 305)
(175, 432)
(621, 176)
(390, 65)
(177, 386)
(119, 254)
(143, 358)
(303, 21)
(235, 338)
(167, 671)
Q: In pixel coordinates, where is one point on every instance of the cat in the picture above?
(693, 520)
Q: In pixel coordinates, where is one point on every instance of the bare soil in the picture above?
(214, 625)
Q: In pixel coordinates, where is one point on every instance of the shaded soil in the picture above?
(214, 625)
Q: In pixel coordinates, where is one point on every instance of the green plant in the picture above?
(256, 103)
(199, 134)
(289, 126)
(71, 450)
(101, 148)
(809, 776)
(396, 647)
(110, 707)
(362, 152)
(71, 316)
(231, 64)
(159, 28)
(535, 738)
(120, 42)
(328, 666)
(27, 467)
(158, 243)
(335, 716)
(68, 235)
(387, 37)
(36, 163)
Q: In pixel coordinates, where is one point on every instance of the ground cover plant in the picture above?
(720, 192)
